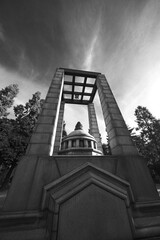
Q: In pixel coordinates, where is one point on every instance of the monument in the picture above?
(64, 188)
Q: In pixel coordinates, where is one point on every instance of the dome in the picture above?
(79, 133)
(79, 142)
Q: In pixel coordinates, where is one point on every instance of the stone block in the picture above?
(114, 110)
(132, 150)
(122, 132)
(103, 104)
(57, 77)
(107, 92)
(40, 138)
(125, 140)
(113, 142)
(49, 112)
(107, 119)
(117, 150)
(57, 82)
(96, 135)
(55, 86)
(124, 150)
(49, 100)
(44, 128)
(116, 116)
(49, 105)
(94, 130)
(53, 90)
(118, 132)
(53, 95)
(110, 99)
(72, 198)
(56, 150)
(111, 133)
(112, 105)
(39, 149)
(57, 143)
(106, 113)
(46, 119)
(119, 123)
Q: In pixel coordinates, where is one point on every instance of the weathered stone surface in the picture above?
(46, 119)
(86, 194)
(40, 138)
(112, 115)
(81, 197)
(49, 112)
(93, 125)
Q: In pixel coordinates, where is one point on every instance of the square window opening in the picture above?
(88, 89)
(67, 87)
(79, 79)
(78, 89)
(91, 80)
(68, 78)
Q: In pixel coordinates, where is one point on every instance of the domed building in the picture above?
(79, 142)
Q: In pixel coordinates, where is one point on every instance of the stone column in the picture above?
(42, 140)
(58, 138)
(86, 143)
(93, 125)
(119, 136)
(77, 142)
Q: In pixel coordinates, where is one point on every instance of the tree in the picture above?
(7, 96)
(15, 135)
(148, 140)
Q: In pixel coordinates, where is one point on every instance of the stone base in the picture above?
(81, 197)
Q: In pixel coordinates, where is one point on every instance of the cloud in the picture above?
(87, 65)
(27, 87)
(118, 39)
(2, 36)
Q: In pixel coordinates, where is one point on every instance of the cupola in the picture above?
(79, 142)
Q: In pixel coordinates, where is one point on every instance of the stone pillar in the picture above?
(86, 143)
(69, 144)
(42, 140)
(77, 142)
(58, 138)
(93, 125)
(119, 136)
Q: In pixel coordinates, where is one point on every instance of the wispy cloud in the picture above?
(89, 57)
(2, 37)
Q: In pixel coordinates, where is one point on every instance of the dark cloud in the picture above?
(46, 34)
(119, 38)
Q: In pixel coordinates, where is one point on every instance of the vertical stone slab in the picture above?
(93, 125)
(59, 130)
(43, 138)
(119, 136)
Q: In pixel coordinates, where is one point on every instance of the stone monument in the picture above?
(60, 196)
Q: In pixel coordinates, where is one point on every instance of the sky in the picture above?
(119, 38)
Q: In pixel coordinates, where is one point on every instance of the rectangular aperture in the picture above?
(67, 87)
(67, 96)
(88, 89)
(68, 78)
(79, 79)
(91, 80)
(78, 89)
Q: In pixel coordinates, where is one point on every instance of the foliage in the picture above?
(148, 140)
(106, 147)
(15, 134)
(7, 96)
